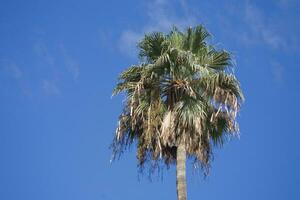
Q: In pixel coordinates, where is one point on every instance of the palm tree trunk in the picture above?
(180, 171)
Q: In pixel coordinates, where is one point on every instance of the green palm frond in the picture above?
(218, 60)
(151, 46)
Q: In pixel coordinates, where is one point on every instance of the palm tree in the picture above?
(180, 101)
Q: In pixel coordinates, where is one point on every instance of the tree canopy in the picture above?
(183, 89)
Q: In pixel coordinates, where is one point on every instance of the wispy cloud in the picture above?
(161, 16)
(71, 64)
(277, 72)
(50, 87)
(55, 66)
(249, 25)
(14, 70)
(261, 28)
(42, 51)
(47, 69)
(128, 42)
(288, 3)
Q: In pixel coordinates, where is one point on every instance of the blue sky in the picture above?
(59, 61)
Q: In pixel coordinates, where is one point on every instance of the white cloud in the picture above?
(161, 16)
(50, 87)
(277, 72)
(284, 4)
(252, 26)
(261, 29)
(55, 63)
(72, 65)
(128, 42)
(42, 51)
(48, 63)
(11, 68)
(14, 71)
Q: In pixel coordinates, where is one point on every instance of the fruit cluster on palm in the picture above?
(180, 101)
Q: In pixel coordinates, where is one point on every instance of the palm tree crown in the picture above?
(183, 92)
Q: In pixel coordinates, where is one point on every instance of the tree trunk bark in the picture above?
(181, 171)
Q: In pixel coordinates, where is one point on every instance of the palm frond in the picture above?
(151, 46)
(200, 34)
